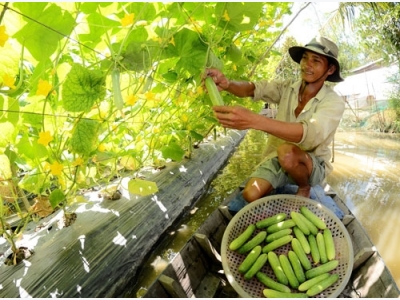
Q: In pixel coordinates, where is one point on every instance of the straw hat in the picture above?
(320, 45)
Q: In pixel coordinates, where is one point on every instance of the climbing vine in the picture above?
(90, 91)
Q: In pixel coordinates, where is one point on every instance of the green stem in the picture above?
(3, 12)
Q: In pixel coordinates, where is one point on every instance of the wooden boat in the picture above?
(196, 271)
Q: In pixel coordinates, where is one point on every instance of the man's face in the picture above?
(314, 66)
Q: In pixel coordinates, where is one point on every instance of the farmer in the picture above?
(298, 148)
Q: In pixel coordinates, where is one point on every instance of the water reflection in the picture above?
(366, 176)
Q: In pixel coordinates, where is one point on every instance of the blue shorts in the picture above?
(272, 171)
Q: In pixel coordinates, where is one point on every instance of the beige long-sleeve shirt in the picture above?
(320, 117)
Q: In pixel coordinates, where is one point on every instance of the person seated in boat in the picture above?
(298, 147)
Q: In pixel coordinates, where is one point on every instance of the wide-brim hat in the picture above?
(320, 45)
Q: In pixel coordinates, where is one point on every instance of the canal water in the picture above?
(365, 176)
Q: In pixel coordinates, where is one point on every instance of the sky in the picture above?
(306, 25)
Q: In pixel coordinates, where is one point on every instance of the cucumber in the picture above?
(297, 267)
(322, 285)
(281, 225)
(276, 235)
(314, 249)
(272, 284)
(271, 220)
(277, 243)
(257, 266)
(250, 259)
(212, 89)
(119, 102)
(242, 238)
(321, 247)
(300, 223)
(313, 229)
(302, 256)
(270, 293)
(311, 282)
(248, 246)
(329, 244)
(302, 239)
(312, 217)
(327, 267)
(277, 268)
(288, 270)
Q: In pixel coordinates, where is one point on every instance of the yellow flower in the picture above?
(56, 168)
(128, 19)
(3, 35)
(150, 95)
(172, 41)
(226, 16)
(184, 118)
(44, 87)
(199, 90)
(101, 147)
(9, 81)
(78, 162)
(131, 99)
(45, 138)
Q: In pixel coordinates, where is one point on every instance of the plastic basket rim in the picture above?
(242, 293)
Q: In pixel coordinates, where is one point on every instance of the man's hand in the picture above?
(235, 117)
(219, 78)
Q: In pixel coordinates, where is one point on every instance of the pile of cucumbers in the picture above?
(296, 275)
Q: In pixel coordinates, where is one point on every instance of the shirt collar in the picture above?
(320, 95)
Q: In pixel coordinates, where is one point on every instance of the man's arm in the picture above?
(241, 118)
(241, 88)
(237, 88)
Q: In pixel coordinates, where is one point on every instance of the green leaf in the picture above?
(5, 169)
(142, 187)
(234, 53)
(170, 76)
(6, 133)
(173, 151)
(11, 110)
(98, 25)
(34, 182)
(137, 56)
(197, 136)
(190, 50)
(140, 35)
(142, 10)
(89, 7)
(42, 33)
(82, 88)
(242, 15)
(40, 72)
(56, 197)
(84, 139)
(31, 9)
(31, 149)
(13, 114)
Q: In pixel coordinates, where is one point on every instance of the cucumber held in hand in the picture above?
(212, 89)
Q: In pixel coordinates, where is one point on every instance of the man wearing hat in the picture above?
(298, 148)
